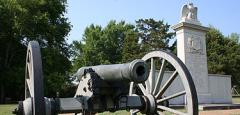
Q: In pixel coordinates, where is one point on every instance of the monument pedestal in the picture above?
(191, 49)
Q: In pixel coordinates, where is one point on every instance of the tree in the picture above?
(216, 51)
(223, 55)
(25, 20)
(113, 36)
(120, 42)
(149, 35)
(131, 47)
(154, 35)
(235, 37)
(101, 45)
(10, 48)
(88, 51)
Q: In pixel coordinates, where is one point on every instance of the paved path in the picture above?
(212, 112)
(221, 112)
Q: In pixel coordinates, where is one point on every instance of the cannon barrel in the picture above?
(136, 71)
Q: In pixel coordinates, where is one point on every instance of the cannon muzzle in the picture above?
(136, 71)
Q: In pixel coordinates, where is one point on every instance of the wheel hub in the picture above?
(150, 104)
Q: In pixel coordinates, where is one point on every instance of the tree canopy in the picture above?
(25, 20)
(154, 34)
(223, 54)
(101, 45)
(120, 42)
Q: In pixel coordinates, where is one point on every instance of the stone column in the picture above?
(191, 49)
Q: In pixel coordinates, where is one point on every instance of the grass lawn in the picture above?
(123, 112)
(7, 109)
(236, 100)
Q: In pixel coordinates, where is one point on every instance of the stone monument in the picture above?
(191, 49)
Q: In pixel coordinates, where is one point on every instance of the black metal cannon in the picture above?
(137, 86)
(135, 71)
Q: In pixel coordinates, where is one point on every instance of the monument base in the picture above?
(220, 88)
(204, 98)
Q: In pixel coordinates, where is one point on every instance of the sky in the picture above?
(222, 14)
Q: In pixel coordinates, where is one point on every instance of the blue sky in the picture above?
(222, 14)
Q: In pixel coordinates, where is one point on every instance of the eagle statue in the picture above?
(189, 12)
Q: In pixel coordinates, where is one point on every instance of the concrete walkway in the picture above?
(218, 106)
(221, 112)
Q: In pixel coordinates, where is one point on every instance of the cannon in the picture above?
(139, 86)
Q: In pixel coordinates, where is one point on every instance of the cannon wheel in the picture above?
(34, 79)
(153, 88)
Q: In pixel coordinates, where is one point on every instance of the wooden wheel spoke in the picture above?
(29, 86)
(171, 96)
(134, 111)
(28, 61)
(152, 76)
(167, 84)
(29, 70)
(171, 110)
(159, 77)
(131, 88)
(147, 86)
(142, 89)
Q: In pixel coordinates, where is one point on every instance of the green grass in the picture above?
(236, 100)
(123, 112)
(7, 109)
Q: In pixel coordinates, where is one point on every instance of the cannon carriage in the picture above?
(136, 86)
